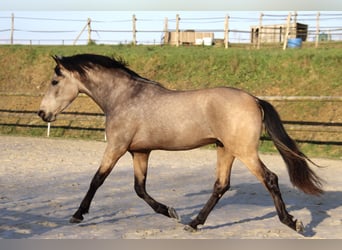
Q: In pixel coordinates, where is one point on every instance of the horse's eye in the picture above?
(54, 82)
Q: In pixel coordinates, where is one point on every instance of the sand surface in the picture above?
(42, 182)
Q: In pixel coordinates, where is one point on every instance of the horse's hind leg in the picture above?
(222, 184)
(270, 181)
(140, 163)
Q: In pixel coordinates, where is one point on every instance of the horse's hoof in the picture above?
(190, 229)
(172, 213)
(299, 226)
(75, 220)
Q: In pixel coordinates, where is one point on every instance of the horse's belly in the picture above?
(172, 140)
(171, 145)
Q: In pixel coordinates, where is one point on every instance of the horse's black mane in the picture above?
(82, 62)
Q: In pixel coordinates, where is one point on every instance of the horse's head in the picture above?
(63, 89)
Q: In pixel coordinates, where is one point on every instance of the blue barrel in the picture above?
(294, 43)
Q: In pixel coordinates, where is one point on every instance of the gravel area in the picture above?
(42, 182)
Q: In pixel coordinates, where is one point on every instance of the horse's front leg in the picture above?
(111, 156)
(140, 163)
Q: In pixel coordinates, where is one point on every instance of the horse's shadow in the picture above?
(24, 223)
(245, 194)
(249, 194)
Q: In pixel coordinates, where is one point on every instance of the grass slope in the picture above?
(262, 72)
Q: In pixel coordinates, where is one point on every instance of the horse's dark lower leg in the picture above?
(218, 192)
(140, 161)
(108, 162)
(96, 182)
(222, 184)
(271, 183)
(156, 206)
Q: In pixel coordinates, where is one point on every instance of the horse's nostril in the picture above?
(46, 117)
(41, 113)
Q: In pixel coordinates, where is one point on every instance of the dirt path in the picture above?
(42, 182)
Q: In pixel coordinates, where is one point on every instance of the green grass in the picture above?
(266, 71)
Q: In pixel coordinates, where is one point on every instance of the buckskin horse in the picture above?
(142, 115)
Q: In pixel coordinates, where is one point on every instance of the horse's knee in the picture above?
(97, 180)
(221, 188)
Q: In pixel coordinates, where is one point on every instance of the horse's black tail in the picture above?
(300, 173)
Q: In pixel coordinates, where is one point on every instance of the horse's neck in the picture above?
(106, 89)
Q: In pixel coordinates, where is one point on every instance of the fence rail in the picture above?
(94, 121)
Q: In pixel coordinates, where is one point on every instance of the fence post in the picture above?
(177, 30)
(89, 30)
(295, 15)
(260, 31)
(48, 129)
(134, 28)
(166, 31)
(288, 23)
(317, 30)
(12, 28)
(226, 32)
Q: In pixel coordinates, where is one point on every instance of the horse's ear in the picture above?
(59, 66)
(57, 59)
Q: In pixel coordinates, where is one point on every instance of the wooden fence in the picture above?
(91, 122)
(227, 28)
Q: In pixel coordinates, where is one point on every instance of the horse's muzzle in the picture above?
(46, 117)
